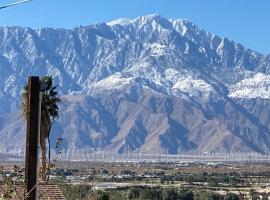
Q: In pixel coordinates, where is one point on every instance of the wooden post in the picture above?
(31, 159)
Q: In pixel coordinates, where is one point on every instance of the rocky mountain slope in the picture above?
(146, 84)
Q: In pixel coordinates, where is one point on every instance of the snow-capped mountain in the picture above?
(144, 84)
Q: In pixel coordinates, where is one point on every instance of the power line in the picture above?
(13, 4)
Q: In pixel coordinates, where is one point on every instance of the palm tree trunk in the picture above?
(43, 159)
(43, 135)
(49, 153)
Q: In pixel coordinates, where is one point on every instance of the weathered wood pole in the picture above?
(31, 159)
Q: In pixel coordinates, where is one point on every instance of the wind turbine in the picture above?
(13, 4)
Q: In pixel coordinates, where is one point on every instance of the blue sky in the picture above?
(245, 21)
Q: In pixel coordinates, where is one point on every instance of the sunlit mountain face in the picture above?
(144, 84)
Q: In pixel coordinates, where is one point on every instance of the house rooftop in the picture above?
(45, 192)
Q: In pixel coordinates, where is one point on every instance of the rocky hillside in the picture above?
(146, 84)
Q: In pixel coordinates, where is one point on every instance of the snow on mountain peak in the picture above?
(142, 19)
(158, 49)
(181, 26)
(257, 86)
(150, 18)
(115, 81)
(121, 21)
(145, 47)
(193, 87)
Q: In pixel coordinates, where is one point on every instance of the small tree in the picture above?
(103, 195)
(232, 196)
(49, 114)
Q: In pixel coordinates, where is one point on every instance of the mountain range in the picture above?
(149, 84)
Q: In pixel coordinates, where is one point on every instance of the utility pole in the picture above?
(31, 158)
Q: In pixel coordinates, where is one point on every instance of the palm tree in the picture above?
(49, 114)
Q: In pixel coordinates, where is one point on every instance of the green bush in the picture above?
(133, 193)
(232, 196)
(103, 195)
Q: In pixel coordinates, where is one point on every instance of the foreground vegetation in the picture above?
(142, 193)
